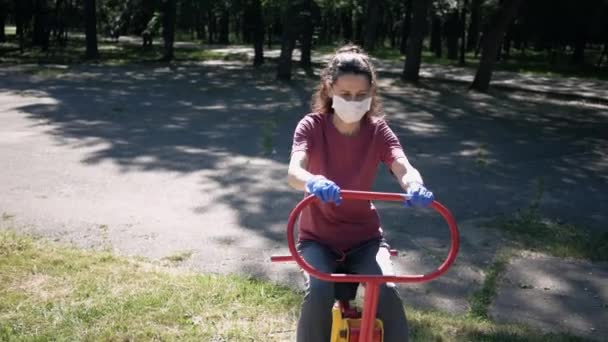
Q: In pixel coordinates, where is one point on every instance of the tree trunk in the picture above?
(393, 28)
(269, 33)
(414, 45)
(258, 33)
(604, 52)
(212, 28)
(309, 16)
(90, 21)
(371, 24)
(58, 22)
(452, 34)
(506, 46)
(346, 20)
(381, 34)
(169, 9)
(42, 24)
(578, 55)
(406, 26)
(436, 45)
(492, 39)
(463, 25)
(224, 27)
(359, 29)
(201, 32)
(2, 23)
(473, 34)
(287, 46)
(21, 22)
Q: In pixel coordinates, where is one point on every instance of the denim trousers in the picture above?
(372, 257)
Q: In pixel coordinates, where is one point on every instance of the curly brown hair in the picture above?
(349, 59)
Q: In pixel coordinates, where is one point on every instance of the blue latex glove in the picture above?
(419, 196)
(324, 189)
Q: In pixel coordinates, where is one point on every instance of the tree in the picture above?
(224, 24)
(287, 43)
(254, 26)
(90, 20)
(473, 34)
(309, 17)
(346, 22)
(294, 17)
(406, 26)
(414, 45)
(41, 32)
(3, 14)
(168, 8)
(463, 25)
(452, 33)
(374, 8)
(436, 45)
(492, 40)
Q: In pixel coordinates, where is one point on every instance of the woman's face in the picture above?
(351, 87)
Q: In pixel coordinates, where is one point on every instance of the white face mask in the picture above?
(350, 111)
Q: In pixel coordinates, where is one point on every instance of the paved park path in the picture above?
(153, 160)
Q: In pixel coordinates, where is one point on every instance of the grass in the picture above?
(110, 53)
(52, 292)
(178, 257)
(531, 231)
(534, 62)
(267, 131)
(482, 298)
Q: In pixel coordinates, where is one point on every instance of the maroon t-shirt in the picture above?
(352, 163)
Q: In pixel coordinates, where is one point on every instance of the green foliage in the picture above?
(482, 298)
(532, 231)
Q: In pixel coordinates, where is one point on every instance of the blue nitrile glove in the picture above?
(324, 189)
(419, 196)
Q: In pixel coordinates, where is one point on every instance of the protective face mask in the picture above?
(350, 111)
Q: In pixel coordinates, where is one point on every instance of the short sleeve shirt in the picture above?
(352, 163)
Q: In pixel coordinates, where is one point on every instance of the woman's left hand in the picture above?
(418, 196)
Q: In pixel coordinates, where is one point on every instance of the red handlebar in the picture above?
(355, 278)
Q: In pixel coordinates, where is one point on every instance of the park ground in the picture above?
(170, 182)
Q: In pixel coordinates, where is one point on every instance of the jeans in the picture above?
(371, 258)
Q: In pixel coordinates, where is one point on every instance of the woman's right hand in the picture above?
(324, 189)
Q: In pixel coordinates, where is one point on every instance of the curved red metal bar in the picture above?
(372, 279)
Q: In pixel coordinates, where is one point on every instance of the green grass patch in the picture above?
(531, 231)
(51, 292)
(437, 326)
(7, 216)
(267, 131)
(46, 72)
(481, 299)
(179, 256)
(110, 53)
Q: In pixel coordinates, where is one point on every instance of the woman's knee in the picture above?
(320, 294)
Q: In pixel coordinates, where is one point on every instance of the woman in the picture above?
(340, 145)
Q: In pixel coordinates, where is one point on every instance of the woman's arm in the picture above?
(297, 176)
(405, 172)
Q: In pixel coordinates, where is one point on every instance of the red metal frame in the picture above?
(372, 282)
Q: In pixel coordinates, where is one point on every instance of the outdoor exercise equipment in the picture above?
(351, 324)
